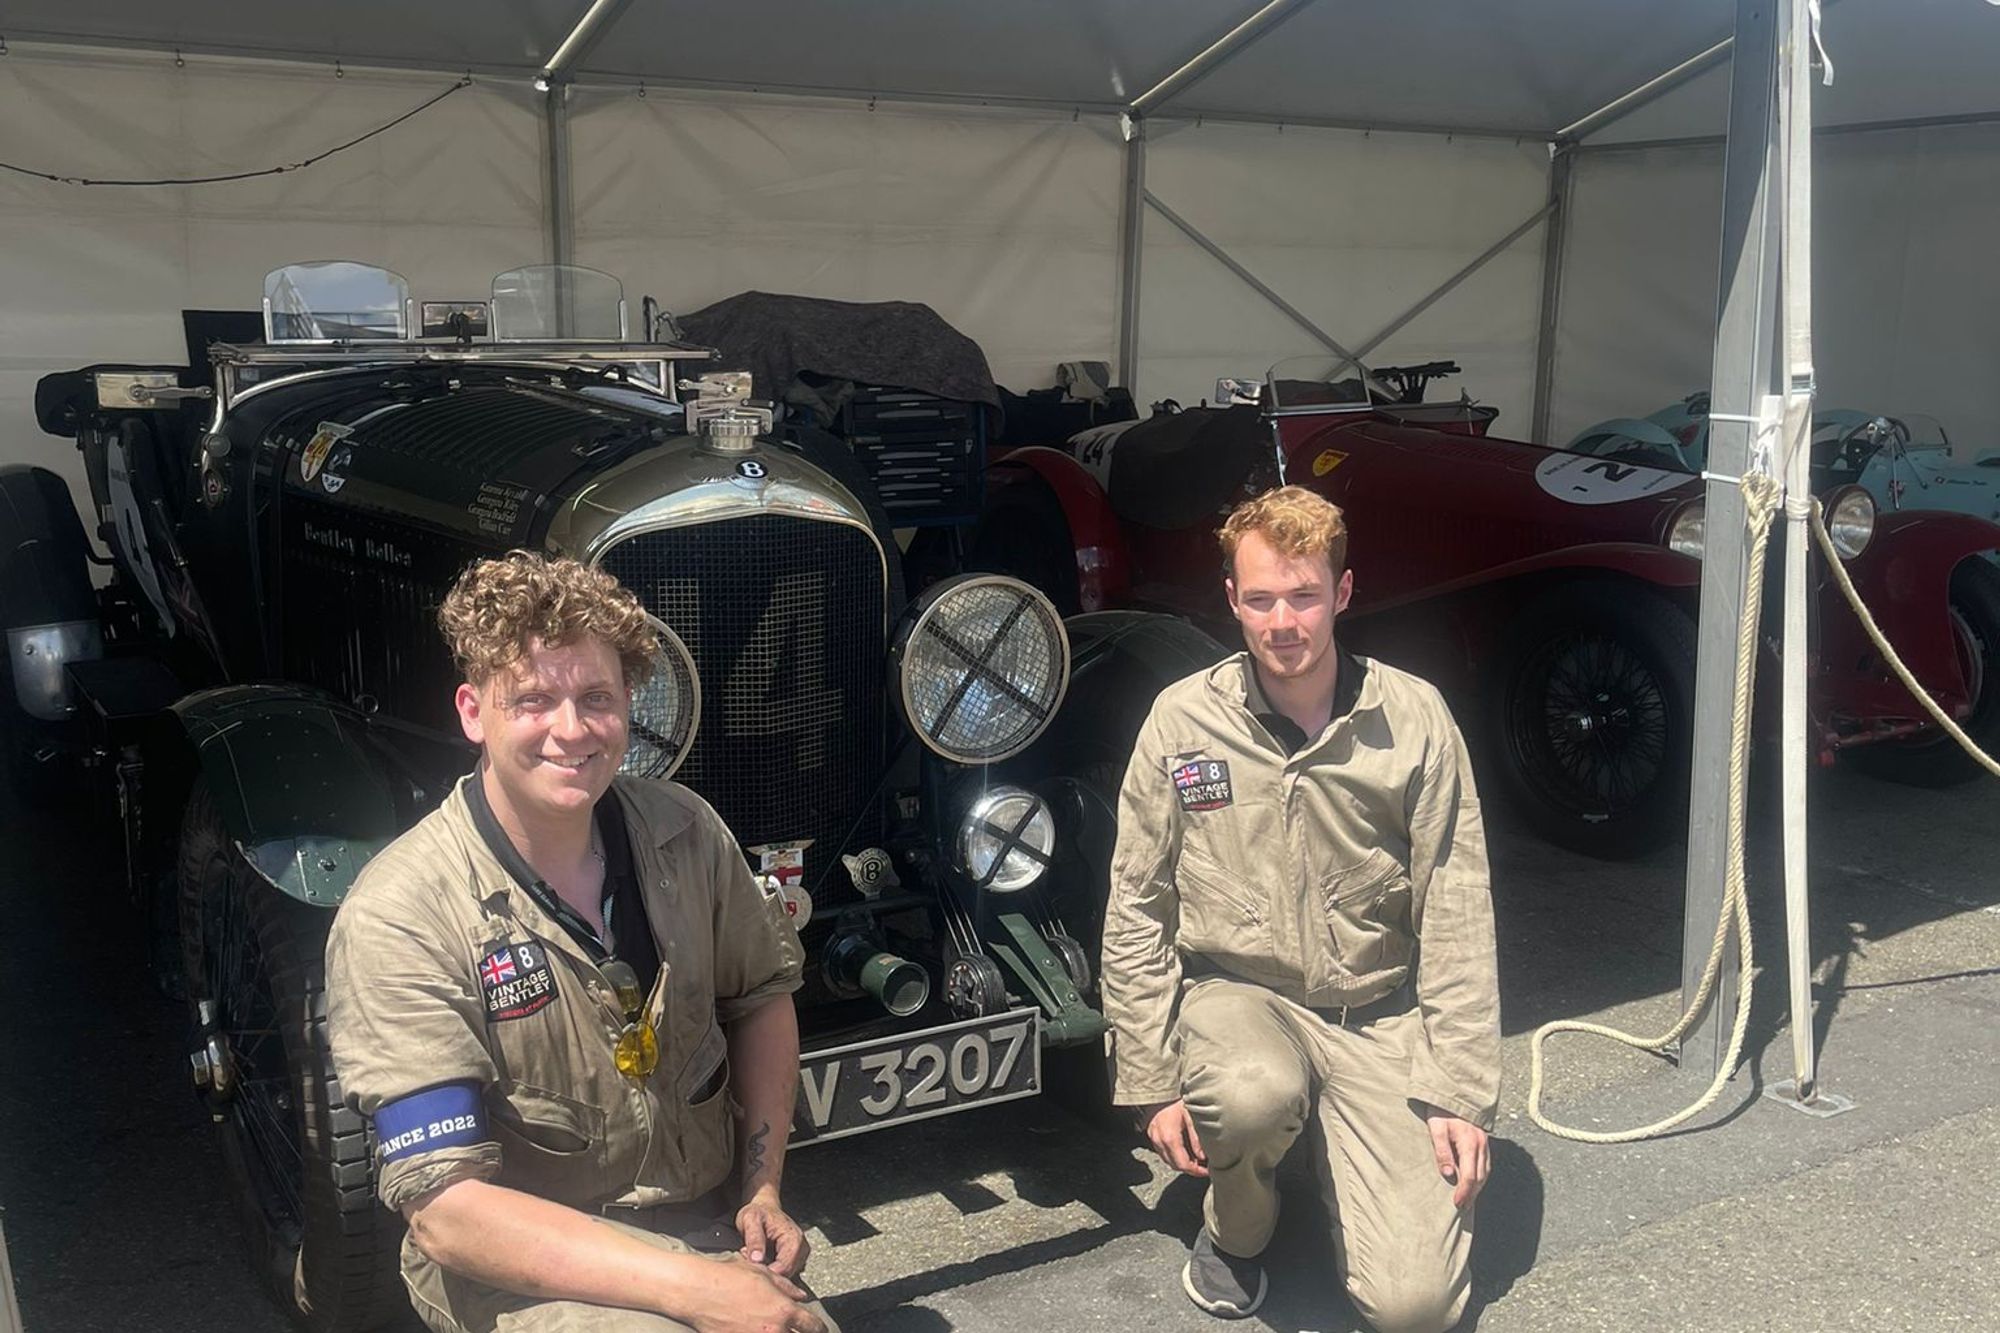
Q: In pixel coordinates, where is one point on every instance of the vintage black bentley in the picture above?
(263, 697)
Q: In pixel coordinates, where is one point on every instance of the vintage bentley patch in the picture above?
(1203, 784)
(516, 981)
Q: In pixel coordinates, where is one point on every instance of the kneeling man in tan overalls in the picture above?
(567, 1007)
(1300, 929)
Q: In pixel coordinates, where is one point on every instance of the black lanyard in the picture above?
(524, 875)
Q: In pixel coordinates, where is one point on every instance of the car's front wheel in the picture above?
(1935, 759)
(1591, 718)
(299, 1162)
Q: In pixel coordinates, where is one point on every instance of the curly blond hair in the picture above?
(1297, 521)
(498, 607)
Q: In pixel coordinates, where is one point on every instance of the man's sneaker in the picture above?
(1222, 1284)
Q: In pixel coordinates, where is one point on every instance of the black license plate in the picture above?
(917, 1075)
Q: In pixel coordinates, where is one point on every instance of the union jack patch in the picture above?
(516, 981)
(1203, 784)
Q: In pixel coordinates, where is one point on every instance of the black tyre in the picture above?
(1022, 532)
(1936, 760)
(1590, 718)
(299, 1162)
(1123, 659)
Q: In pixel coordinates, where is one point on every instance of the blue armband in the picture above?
(447, 1116)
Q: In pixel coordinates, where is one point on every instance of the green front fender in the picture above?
(298, 784)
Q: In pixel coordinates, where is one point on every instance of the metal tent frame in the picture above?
(1768, 153)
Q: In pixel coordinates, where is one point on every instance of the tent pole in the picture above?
(1445, 288)
(1819, 132)
(1131, 249)
(1250, 279)
(1555, 251)
(1795, 123)
(561, 216)
(1746, 382)
(1650, 91)
(585, 35)
(1216, 55)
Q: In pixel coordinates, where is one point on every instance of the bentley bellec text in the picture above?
(263, 697)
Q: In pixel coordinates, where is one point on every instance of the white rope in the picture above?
(1881, 641)
(1760, 501)
(1760, 497)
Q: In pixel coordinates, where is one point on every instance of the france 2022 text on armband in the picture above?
(447, 1116)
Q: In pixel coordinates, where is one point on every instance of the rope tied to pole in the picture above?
(1762, 496)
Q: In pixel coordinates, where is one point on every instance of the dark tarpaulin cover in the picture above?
(1173, 470)
(896, 343)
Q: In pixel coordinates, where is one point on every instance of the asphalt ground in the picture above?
(1023, 1216)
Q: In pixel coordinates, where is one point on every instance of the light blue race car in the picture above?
(1904, 462)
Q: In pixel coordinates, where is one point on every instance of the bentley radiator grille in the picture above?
(784, 618)
(360, 596)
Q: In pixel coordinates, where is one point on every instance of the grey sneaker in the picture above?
(1222, 1284)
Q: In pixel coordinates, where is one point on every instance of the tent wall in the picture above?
(92, 274)
(1353, 229)
(1905, 286)
(1004, 222)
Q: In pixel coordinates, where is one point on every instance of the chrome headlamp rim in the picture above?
(1017, 833)
(675, 664)
(1850, 521)
(1687, 531)
(925, 612)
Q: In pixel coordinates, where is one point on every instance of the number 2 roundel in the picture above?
(1579, 479)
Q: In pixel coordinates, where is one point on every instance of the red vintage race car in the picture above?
(1552, 594)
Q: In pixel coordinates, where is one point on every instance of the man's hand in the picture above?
(770, 1236)
(747, 1298)
(1171, 1130)
(1463, 1158)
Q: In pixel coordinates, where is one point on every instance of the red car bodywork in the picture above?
(1464, 527)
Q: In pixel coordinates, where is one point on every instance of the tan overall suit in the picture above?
(416, 999)
(1311, 936)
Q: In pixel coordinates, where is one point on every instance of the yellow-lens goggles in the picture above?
(637, 1053)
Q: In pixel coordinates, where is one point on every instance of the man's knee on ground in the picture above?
(1407, 1306)
(1243, 1105)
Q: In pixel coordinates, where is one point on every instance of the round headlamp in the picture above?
(665, 710)
(981, 664)
(1006, 839)
(1850, 521)
(1688, 534)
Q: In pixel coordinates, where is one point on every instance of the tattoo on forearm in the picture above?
(754, 1150)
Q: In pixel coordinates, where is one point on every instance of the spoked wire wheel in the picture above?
(1589, 725)
(1593, 718)
(298, 1162)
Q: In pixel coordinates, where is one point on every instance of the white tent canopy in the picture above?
(1523, 67)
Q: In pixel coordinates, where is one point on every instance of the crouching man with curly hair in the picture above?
(568, 1008)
